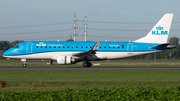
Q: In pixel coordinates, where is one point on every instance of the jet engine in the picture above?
(65, 60)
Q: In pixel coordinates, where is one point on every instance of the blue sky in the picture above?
(53, 19)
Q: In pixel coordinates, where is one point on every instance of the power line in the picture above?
(52, 24)
(51, 31)
(115, 29)
(35, 32)
(113, 37)
(47, 38)
(125, 22)
(25, 26)
(124, 29)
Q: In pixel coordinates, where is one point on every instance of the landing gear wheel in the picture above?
(24, 65)
(87, 64)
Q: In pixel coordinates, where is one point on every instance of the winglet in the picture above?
(95, 47)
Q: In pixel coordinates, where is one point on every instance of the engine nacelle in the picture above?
(65, 60)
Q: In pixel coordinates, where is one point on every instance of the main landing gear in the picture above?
(87, 64)
(51, 62)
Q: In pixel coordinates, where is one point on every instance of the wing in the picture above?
(88, 55)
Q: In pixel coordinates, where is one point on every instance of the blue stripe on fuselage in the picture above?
(35, 47)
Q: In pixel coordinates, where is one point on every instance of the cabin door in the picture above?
(29, 47)
(130, 48)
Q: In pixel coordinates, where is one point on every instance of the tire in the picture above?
(24, 65)
(87, 64)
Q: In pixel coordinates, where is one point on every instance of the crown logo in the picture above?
(41, 44)
(159, 28)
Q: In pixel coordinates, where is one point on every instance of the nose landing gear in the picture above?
(24, 65)
(24, 62)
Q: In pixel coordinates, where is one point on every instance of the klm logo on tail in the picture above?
(159, 31)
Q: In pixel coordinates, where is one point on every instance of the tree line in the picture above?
(167, 54)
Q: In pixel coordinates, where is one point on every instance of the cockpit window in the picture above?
(16, 46)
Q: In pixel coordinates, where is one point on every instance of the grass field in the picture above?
(23, 80)
(113, 63)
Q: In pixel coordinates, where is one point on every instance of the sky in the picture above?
(111, 20)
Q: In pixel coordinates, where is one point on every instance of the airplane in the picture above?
(73, 52)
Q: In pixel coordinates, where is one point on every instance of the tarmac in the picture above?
(89, 68)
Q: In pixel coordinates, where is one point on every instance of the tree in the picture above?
(70, 40)
(174, 53)
(174, 40)
(5, 45)
(15, 42)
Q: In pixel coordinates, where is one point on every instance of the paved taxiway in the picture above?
(89, 68)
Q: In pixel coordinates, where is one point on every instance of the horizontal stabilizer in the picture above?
(164, 45)
(171, 46)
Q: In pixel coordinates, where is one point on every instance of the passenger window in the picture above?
(59, 47)
(76, 46)
(63, 47)
(50, 47)
(91, 47)
(45, 46)
(86, 47)
(104, 47)
(37, 47)
(82, 47)
(122, 46)
(118, 47)
(54, 46)
(41, 46)
(72, 47)
(109, 47)
(99, 47)
(113, 47)
(67, 46)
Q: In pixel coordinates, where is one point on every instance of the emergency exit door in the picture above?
(130, 48)
(29, 47)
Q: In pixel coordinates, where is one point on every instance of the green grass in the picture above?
(23, 80)
(113, 63)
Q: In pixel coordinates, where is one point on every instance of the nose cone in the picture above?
(9, 52)
(5, 54)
